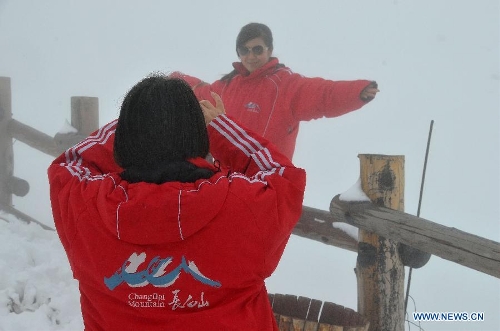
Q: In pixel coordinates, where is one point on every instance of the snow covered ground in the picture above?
(37, 290)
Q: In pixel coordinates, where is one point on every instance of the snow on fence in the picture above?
(383, 228)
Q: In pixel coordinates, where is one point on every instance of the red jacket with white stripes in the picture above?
(176, 256)
(273, 100)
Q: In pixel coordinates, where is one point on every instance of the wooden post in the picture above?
(85, 114)
(379, 271)
(6, 149)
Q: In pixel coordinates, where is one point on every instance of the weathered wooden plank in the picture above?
(285, 323)
(34, 138)
(41, 141)
(312, 314)
(298, 324)
(316, 224)
(328, 327)
(449, 243)
(279, 305)
(314, 310)
(311, 326)
(6, 150)
(331, 314)
(294, 313)
(303, 304)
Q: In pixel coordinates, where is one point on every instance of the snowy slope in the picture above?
(37, 290)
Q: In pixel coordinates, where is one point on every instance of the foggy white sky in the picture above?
(434, 60)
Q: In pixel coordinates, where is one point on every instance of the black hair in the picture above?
(161, 124)
(249, 32)
(252, 31)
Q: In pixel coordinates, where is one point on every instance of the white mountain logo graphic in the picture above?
(154, 273)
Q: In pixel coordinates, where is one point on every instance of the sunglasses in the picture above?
(256, 50)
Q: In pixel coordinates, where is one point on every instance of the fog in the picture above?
(433, 60)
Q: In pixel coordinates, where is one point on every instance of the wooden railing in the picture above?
(84, 118)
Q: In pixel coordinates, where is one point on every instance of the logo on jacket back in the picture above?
(253, 107)
(154, 273)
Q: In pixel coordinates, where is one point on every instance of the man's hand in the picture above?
(369, 92)
(210, 111)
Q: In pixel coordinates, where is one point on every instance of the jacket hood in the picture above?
(147, 214)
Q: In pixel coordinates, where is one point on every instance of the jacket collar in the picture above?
(265, 69)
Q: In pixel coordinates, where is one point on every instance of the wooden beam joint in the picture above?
(433, 238)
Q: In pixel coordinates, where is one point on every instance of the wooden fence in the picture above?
(383, 224)
(84, 118)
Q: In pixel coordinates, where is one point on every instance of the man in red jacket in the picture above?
(160, 239)
(268, 98)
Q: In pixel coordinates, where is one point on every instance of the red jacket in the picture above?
(272, 100)
(176, 256)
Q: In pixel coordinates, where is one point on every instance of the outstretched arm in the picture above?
(201, 89)
(313, 98)
(369, 92)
